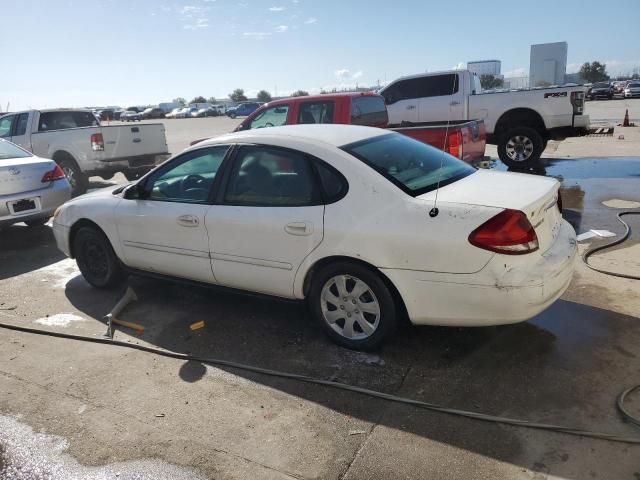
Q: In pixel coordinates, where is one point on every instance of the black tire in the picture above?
(96, 259)
(76, 177)
(520, 147)
(383, 324)
(232, 115)
(37, 222)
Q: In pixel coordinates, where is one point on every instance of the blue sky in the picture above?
(117, 52)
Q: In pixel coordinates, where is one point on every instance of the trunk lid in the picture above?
(534, 195)
(23, 174)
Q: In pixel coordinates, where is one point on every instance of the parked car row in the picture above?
(609, 90)
(197, 111)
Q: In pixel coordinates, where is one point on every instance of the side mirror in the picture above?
(135, 191)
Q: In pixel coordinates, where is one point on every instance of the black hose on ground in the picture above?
(343, 386)
(599, 248)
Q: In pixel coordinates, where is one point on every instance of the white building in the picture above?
(485, 67)
(548, 64)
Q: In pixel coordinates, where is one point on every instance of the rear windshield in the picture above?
(634, 85)
(66, 119)
(601, 85)
(413, 166)
(368, 110)
(9, 150)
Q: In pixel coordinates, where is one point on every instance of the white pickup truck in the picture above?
(82, 147)
(519, 122)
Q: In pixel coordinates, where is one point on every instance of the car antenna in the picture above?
(434, 211)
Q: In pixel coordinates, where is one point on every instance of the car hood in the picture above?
(106, 192)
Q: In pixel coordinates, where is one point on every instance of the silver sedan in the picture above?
(31, 188)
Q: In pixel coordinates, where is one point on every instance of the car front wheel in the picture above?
(353, 305)
(96, 259)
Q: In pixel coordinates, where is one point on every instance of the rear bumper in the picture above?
(49, 199)
(515, 294)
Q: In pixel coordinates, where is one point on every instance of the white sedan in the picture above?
(31, 188)
(342, 216)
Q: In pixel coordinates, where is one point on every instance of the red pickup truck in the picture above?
(463, 139)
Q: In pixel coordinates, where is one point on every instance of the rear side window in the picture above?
(422, 87)
(66, 119)
(413, 166)
(316, 112)
(334, 185)
(21, 125)
(368, 110)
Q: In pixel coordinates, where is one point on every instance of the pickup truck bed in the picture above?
(462, 139)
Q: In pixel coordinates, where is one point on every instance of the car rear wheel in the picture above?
(353, 305)
(520, 147)
(96, 259)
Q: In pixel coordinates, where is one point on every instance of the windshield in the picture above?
(9, 150)
(634, 85)
(601, 85)
(413, 166)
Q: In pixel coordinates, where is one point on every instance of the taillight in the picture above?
(97, 142)
(559, 203)
(509, 232)
(577, 100)
(454, 144)
(55, 174)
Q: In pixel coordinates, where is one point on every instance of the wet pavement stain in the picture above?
(28, 455)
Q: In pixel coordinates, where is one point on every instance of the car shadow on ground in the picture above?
(25, 249)
(550, 368)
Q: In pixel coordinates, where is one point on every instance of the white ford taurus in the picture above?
(342, 216)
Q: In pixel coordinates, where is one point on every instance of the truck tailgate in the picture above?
(464, 140)
(124, 141)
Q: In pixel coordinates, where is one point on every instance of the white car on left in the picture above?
(31, 188)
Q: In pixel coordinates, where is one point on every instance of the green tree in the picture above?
(180, 101)
(264, 96)
(212, 100)
(199, 99)
(299, 93)
(238, 95)
(489, 82)
(594, 72)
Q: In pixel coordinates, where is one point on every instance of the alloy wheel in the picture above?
(519, 148)
(350, 307)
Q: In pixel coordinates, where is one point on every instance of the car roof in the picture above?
(335, 135)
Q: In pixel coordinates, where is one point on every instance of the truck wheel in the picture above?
(77, 179)
(520, 147)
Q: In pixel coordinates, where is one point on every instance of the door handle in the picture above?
(454, 103)
(299, 228)
(188, 221)
(411, 107)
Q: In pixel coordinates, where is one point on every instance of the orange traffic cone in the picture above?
(625, 122)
